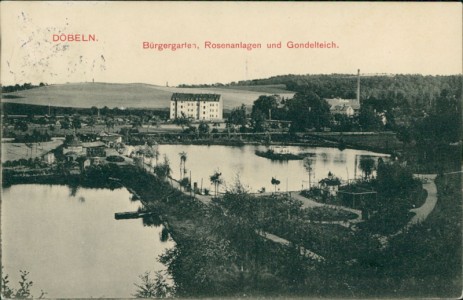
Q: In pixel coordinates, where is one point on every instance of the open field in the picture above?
(15, 151)
(135, 95)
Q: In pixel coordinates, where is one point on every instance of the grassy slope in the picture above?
(128, 95)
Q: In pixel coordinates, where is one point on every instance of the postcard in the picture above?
(231, 149)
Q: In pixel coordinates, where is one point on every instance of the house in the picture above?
(127, 151)
(73, 144)
(95, 149)
(110, 139)
(49, 158)
(196, 106)
(96, 161)
(280, 150)
(330, 185)
(344, 109)
(348, 107)
(71, 156)
(85, 163)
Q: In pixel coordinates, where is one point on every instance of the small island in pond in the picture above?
(281, 153)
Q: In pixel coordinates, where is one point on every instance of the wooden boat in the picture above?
(131, 215)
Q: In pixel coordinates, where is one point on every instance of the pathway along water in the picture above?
(71, 244)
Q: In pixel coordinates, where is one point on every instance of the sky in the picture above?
(393, 38)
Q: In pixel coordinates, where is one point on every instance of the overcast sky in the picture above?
(423, 38)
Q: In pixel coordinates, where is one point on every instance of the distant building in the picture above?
(85, 163)
(49, 158)
(95, 149)
(74, 145)
(330, 185)
(110, 139)
(71, 156)
(196, 106)
(348, 107)
(344, 109)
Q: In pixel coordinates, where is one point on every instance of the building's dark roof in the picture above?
(330, 181)
(93, 144)
(195, 97)
(72, 153)
(74, 142)
(340, 108)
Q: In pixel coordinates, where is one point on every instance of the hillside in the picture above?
(127, 95)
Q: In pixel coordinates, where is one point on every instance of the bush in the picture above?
(185, 182)
(329, 214)
(115, 158)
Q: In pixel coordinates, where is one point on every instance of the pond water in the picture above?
(71, 244)
(256, 172)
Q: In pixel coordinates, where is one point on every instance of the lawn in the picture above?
(134, 95)
(328, 214)
(15, 151)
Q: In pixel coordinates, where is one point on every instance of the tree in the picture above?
(203, 128)
(307, 110)
(21, 125)
(153, 288)
(267, 105)
(91, 122)
(76, 123)
(368, 119)
(275, 182)
(182, 121)
(154, 150)
(238, 116)
(183, 158)
(216, 180)
(137, 123)
(6, 290)
(109, 123)
(163, 170)
(308, 167)
(258, 121)
(367, 165)
(25, 286)
(155, 120)
(65, 123)
(24, 290)
(94, 111)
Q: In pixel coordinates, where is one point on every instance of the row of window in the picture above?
(189, 103)
(210, 110)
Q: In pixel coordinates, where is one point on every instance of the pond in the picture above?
(71, 244)
(256, 172)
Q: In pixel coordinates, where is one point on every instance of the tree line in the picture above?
(17, 87)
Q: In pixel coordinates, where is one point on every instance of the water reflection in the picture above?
(152, 220)
(257, 172)
(73, 190)
(69, 241)
(339, 158)
(164, 236)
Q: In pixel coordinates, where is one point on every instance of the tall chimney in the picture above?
(358, 86)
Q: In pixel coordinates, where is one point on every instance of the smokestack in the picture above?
(358, 86)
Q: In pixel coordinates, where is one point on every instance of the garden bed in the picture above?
(329, 214)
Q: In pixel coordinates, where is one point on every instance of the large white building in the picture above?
(196, 106)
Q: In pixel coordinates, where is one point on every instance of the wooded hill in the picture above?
(397, 90)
